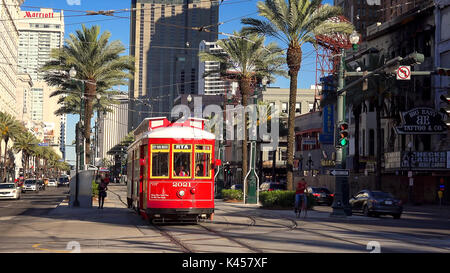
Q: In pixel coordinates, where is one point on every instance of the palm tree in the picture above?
(250, 61)
(99, 66)
(25, 143)
(9, 127)
(295, 23)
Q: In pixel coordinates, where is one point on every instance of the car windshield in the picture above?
(30, 182)
(320, 190)
(6, 186)
(63, 179)
(381, 195)
(278, 186)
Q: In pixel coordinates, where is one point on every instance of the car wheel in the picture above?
(396, 216)
(366, 211)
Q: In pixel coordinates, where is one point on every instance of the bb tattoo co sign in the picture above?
(422, 120)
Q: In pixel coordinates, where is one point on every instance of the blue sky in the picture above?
(230, 12)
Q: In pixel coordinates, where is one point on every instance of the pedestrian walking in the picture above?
(102, 188)
(300, 198)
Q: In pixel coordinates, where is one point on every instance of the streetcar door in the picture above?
(143, 177)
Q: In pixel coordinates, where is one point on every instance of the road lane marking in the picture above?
(36, 246)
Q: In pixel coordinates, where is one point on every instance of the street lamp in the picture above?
(252, 176)
(354, 40)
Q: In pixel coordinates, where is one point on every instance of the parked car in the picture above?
(9, 191)
(273, 186)
(321, 195)
(236, 187)
(52, 182)
(41, 184)
(376, 203)
(63, 181)
(30, 185)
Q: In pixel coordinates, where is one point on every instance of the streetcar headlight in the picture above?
(181, 193)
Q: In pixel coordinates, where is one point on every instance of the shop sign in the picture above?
(422, 120)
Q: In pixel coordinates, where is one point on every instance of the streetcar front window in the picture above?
(203, 161)
(160, 160)
(182, 160)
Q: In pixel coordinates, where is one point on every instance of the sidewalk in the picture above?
(115, 228)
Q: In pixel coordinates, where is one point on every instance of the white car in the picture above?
(52, 183)
(9, 191)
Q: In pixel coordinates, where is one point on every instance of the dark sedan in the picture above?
(376, 203)
(321, 195)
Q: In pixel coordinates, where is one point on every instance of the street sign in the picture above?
(404, 72)
(43, 144)
(339, 172)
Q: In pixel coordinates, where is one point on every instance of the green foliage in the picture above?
(232, 195)
(94, 188)
(281, 199)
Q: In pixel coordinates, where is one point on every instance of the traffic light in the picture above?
(443, 71)
(343, 134)
(445, 107)
(341, 139)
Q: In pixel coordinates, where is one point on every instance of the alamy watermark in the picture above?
(263, 121)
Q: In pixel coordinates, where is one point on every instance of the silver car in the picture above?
(30, 185)
(9, 191)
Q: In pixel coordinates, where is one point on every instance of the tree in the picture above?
(99, 67)
(9, 127)
(250, 61)
(295, 23)
(25, 143)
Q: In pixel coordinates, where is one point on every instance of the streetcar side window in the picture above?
(203, 161)
(181, 165)
(160, 161)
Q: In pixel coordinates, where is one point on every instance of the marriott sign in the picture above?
(30, 14)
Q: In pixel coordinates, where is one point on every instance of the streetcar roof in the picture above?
(179, 132)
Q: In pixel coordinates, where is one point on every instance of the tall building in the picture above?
(112, 127)
(211, 83)
(40, 32)
(9, 13)
(165, 49)
(361, 13)
(391, 9)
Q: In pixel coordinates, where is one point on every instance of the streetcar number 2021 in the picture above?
(181, 184)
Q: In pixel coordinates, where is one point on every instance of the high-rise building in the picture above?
(40, 32)
(9, 13)
(165, 37)
(391, 9)
(112, 127)
(209, 80)
(361, 13)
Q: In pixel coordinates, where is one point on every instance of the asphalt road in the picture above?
(32, 203)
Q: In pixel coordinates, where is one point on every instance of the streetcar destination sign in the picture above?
(340, 172)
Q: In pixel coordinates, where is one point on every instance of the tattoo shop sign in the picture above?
(422, 120)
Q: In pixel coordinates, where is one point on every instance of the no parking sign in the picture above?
(404, 72)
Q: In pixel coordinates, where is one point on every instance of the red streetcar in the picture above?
(171, 170)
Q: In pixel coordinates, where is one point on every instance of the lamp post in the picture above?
(252, 176)
(310, 161)
(411, 179)
(79, 161)
(340, 205)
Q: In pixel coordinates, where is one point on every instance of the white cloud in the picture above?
(73, 2)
